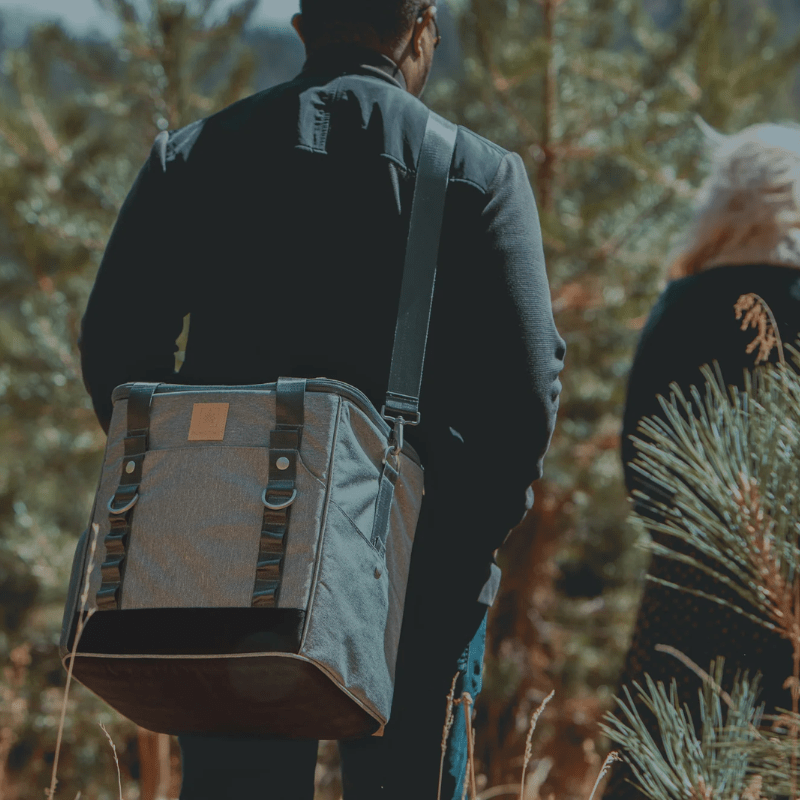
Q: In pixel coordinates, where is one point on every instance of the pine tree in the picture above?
(597, 98)
(77, 121)
(729, 461)
(600, 99)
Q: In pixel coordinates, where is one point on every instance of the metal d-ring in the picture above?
(124, 508)
(393, 451)
(278, 506)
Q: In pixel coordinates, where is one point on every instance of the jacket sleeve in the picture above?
(504, 377)
(137, 304)
(515, 253)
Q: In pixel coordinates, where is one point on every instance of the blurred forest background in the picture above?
(600, 99)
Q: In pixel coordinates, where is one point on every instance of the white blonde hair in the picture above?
(748, 208)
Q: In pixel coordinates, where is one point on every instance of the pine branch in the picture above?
(685, 765)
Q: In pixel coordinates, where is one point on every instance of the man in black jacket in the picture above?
(280, 224)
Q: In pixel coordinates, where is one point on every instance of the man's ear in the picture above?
(297, 24)
(419, 29)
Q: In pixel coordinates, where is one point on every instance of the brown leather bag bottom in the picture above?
(177, 696)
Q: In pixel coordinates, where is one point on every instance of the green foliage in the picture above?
(601, 101)
(598, 97)
(728, 461)
(770, 756)
(732, 467)
(680, 764)
(77, 120)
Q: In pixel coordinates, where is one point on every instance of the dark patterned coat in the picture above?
(693, 323)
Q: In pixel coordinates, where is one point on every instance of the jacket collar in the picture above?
(344, 59)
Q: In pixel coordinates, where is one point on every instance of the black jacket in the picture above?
(279, 224)
(693, 323)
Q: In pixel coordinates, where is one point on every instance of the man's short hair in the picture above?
(359, 20)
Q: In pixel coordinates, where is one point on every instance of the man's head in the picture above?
(403, 30)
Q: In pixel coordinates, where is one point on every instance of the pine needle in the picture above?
(679, 763)
(723, 475)
(701, 673)
(727, 468)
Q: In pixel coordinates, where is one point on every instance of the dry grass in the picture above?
(116, 760)
(521, 791)
(529, 739)
(81, 625)
(466, 702)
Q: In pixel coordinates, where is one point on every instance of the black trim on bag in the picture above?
(191, 631)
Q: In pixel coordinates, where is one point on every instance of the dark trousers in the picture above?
(444, 632)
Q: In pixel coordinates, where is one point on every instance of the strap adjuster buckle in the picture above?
(396, 440)
(399, 415)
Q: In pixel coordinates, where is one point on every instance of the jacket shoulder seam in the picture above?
(499, 150)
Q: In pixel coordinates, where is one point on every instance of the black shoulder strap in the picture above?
(419, 271)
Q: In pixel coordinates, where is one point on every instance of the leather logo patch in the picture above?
(208, 422)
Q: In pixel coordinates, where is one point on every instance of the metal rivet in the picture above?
(378, 572)
(282, 463)
(130, 467)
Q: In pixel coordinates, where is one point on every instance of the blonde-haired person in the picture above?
(745, 237)
(748, 209)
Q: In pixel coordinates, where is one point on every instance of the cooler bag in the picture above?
(254, 541)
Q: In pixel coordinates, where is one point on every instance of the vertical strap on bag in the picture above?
(280, 492)
(122, 504)
(419, 271)
(383, 505)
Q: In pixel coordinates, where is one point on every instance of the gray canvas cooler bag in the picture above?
(254, 541)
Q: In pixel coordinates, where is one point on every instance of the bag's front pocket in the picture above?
(196, 530)
(196, 526)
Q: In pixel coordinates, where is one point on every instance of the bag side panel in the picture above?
(354, 620)
(358, 460)
(348, 615)
(399, 543)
